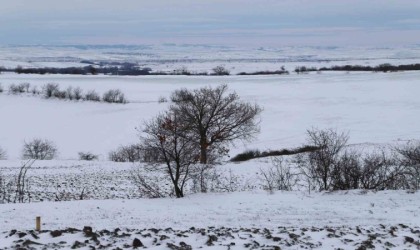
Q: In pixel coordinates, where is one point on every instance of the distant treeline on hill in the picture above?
(131, 69)
(386, 67)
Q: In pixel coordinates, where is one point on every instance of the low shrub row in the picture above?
(52, 90)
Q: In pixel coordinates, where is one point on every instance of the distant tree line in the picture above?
(386, 67)
(131, 69)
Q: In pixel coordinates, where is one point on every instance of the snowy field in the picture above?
(378, 109)
(375, 107)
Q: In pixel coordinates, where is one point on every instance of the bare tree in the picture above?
(318, 165)
(214, 118)
(166, 134)
(39, 149)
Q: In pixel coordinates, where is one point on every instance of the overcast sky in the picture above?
(227, 22)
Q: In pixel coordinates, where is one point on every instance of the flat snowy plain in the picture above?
(376, 108)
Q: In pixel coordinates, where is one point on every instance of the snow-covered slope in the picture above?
(374, 107)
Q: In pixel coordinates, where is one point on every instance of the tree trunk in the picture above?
(178, 192)
(203, 151)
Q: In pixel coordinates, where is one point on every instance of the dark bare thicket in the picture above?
(317, 166)
(215, 118)
(39, 149)
(130, 153)
(347, 170)
(3, 154)
(220, 71)
(19, 88)
(49, 90)
(114, 96)
(410, 159)
(93, 96)
(87, 156)
(1, 88)
(334, 167)
(166, 135)
(77, 93)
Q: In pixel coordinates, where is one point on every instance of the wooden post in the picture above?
(38, 223)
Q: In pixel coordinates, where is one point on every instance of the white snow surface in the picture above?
(257, 209)
(374, 107)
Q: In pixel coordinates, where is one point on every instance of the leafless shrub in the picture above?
(381, 172)
(39, 149)
(71, 193)
(70, 93)
(25, 86)
(49, 89)
(410, 159)
(317, 166)
(77, 93)
(92, 95)
(22, 185)
(347, 171)
(16, 189)
(87, 156)
(59, 94)
(1, 88)
(220, 71)
(162, 99)
(114, 96)
(279, 176)
(130, 153)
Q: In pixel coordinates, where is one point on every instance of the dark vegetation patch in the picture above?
(252, 154)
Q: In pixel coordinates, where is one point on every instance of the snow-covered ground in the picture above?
(374, 107)
(202, 58)
(323, 220)
(377, 109)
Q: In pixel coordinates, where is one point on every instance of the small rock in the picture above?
(21, 234)
(56, 233)
(137, 243)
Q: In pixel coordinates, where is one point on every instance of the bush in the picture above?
(130, 153)
(247, 155)
(49, 89)
(17, 89)
(409, 157)
(35, 91)
(87, 156)
(317, 166)
(252, 154)
(77, 93)
(220, 71)
(60, 94)
(114, 96)
(279, 176)
(69, 93)
(92, 95)
(39, 149)
(1, 88)
(162, 99)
